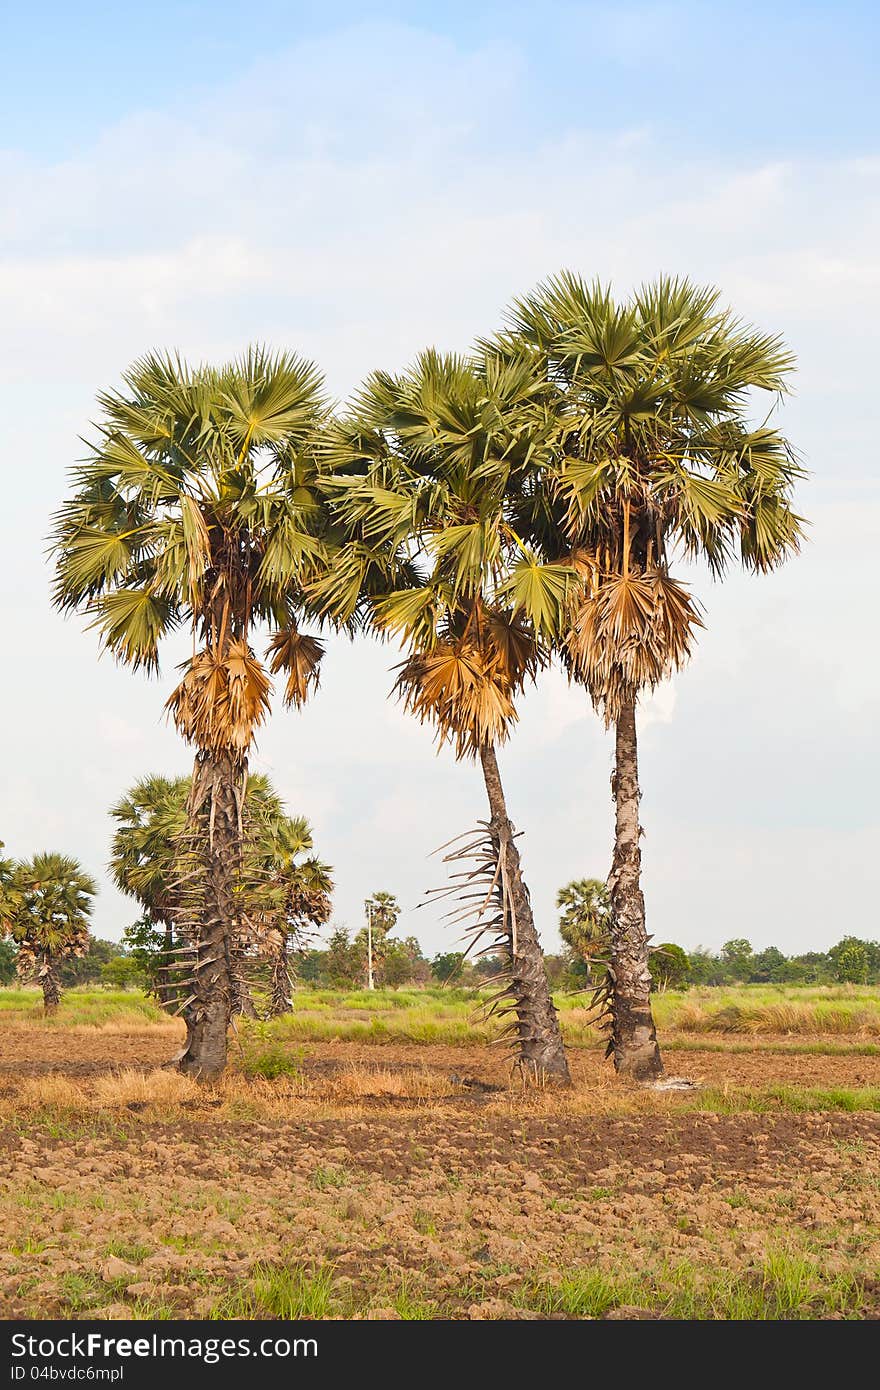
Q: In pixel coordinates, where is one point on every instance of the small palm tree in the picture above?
(276, 894)
(47, 906)
(382, 911)
(655, 456)
(585, 919)
(440, 451)
(291, 896)
(150, 819)
(200, 506)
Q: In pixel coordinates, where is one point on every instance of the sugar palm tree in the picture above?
(150, 820)
(382, 911)
(199, 506)
(656, 456)
(291, 898)
(46, 911)
(278, 890)
(440, 449)
(585, 919)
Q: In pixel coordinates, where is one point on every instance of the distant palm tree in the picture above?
(276, 893)
(585, 919)
(655, 456)
(382, 910)
(291, 895)
(440, 456)
(200, 506)
(47, 907)
(151, 818)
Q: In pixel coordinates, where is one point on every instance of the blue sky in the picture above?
(777, 78)
(356, 182)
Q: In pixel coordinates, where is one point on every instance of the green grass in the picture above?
(286, 1293)
(453, 1016)
(791, 1099)
(80, 1008)
(783, 1286)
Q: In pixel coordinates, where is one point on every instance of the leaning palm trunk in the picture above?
(539, 1040)
(51, 987)
(633, 1037)
(281, 1000)
(214, 828)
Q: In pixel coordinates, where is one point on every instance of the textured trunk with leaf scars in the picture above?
(243, 1005)
(281, 1001)
(51, 988)
(166, 991)
(539, 1040)
(215, 825)
(633, 1037)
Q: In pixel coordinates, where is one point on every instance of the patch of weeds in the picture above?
(785, 1286)
(132, 1253)
(283, 1293)
(146, 1310)
(82, 1292)
(272, 1062)
(423, 1222)
(411, 1308)
(324, 1178)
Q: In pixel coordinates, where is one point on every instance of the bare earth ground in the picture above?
(392, 1190)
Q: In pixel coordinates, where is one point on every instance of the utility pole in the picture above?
(370, 984)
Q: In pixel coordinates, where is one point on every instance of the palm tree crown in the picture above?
(50, 919)
(200, 504)
(654, 454)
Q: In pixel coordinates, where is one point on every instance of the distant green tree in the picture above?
(769, 966)
(670, 966)
(855, 952)
(446, 967)
(8, 954)
(86, 970)
(342, 959)
(47, 905)
(122, 972)
(851, 962)
(737, 957)
(384, 912)
(312, 967)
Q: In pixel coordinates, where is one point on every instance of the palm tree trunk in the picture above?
(242, 1000)
(281, 1001)
(540, 1048)
(217, 788)
(166, 990)
(51, 989)
(633, 1037)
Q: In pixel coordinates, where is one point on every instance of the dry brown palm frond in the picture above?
(223, 697)
(629, 632)
(464, 694)
(465, 682)
(299, 655)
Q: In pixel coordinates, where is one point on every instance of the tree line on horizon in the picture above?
(490, 512)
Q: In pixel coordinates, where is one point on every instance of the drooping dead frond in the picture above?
(458, 690)
(299, 655)
(630, 631)
(465, 682)
(223, 697)
(483, 889)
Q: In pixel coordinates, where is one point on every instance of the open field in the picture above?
(371, 1156)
